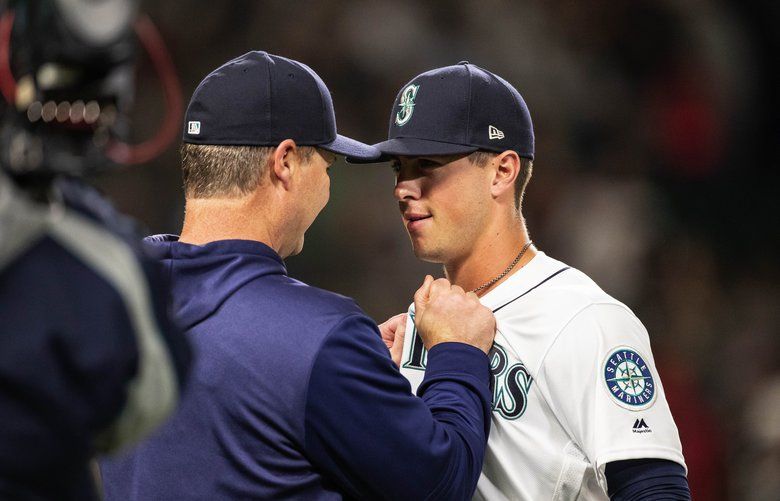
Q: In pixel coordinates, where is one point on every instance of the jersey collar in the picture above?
(535, 271)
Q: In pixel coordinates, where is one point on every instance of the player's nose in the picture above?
(407, 185)
(406, 189)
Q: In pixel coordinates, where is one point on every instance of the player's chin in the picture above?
(298, 247)
(425, 253)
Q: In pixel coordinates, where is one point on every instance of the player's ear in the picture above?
(506, 168)
(284, 163)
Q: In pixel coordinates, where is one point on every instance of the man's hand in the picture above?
(393, 331)
(446, 313)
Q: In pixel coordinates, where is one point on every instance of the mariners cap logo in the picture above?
(628, 379)
(406, 103)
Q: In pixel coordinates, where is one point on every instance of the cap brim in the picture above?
(352, 149)
(414, 147)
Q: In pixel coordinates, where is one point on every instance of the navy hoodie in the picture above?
(293, 395)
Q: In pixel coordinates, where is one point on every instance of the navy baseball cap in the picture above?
(458, 109)
(260, 99)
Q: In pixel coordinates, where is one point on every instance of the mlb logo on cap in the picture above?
(193, 127)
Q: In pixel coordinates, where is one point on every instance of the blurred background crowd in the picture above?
(658, 146)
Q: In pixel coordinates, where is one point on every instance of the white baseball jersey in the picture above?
(574, 387)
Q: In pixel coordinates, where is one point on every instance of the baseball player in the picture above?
(579, 411)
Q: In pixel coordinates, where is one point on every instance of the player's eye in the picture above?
(396, 166)
(426, 163)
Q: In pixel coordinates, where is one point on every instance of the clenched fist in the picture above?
(446, 313)
(393, 331)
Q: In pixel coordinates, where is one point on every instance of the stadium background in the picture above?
(656, 173)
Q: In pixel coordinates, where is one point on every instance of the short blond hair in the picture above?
(211, 170)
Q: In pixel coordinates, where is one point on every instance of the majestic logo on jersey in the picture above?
(407, 104)
(629, 379)
(641, 427)
(511, 381)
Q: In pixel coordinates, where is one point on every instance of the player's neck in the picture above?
(490, 257)
(212, 219)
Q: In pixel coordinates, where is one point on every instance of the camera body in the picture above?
(68, 83)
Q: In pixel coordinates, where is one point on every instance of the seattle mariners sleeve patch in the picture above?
(629, 379)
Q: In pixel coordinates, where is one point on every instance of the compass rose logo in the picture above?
(407, 104)
(629, 379)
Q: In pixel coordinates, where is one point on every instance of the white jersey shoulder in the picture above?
(574, 387)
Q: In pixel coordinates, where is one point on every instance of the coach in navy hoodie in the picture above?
(294, 394)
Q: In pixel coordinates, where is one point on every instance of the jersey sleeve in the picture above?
(600, 378)
(646, 479)
(374, 439)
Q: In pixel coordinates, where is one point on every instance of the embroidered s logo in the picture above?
(406, 104)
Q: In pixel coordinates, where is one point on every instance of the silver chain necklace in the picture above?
(507, 270)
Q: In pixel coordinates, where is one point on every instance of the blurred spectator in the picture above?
(759, 462)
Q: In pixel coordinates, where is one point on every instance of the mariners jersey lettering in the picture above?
(574, 387)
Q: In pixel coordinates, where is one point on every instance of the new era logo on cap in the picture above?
(193, 127)
(494, 133)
